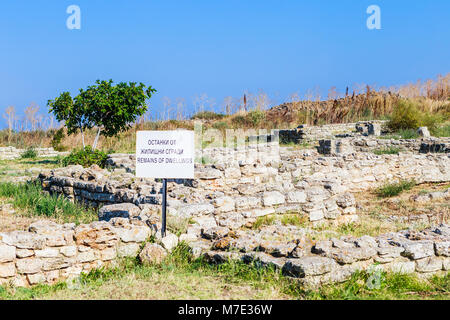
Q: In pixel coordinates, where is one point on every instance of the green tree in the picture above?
(110, 108)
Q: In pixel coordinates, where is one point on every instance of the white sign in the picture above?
(165, 154)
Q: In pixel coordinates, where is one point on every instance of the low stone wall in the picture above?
(239, 186)
(50, 252)
(11, 153)
(335, 260)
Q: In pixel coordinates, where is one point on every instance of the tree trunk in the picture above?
(96, 138)
(82, 137)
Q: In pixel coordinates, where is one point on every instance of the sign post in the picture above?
(164, 211)
(165, 155)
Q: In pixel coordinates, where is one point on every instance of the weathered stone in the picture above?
(7, 253)
(308, 266)
(47, 253)
(418, 249)
(152, 253)
(263, 260)
(273, 198)
(7, 270)
(198, 209)
(207, 173)
(221, 257)
(128, 249)
(423, 132)
(86, 256)
(169, 242)
(401, 266)
(107, 254)
(205, 222)
(23, 240)
(224, 204)
(68, 251)
(49, 264)
(430, 264)
(133, 233)
(350, 255)
(122, 210)
(316, 215)
(296, 197)
(345, 200)
(97, 235)
(388, 254)
(29, 265)
(215, 233)
(24, 253)
(442, 248)
(36, 278)
(232, 221)
(243, 203)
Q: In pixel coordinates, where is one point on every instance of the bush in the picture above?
(30, 153)
(256, 117)
(393, 189)
(86, 157)
(239, 121)
(406, 115)
(208, 115)
(390, 150)
(57, 139)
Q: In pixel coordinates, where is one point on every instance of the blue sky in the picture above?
(222, 48)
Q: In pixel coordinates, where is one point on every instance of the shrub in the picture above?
(57, 139)
(221, 125)
(86, 157)
(393, 189)
(207, 115)
(239, 121)
(256, 117)
(30, 153)
(406, 115)
(390, 150)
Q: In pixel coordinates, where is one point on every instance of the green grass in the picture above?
(390, 150)
(443, 131)
(386, 286)
(394, 189)
(30, 153)
(31, 198)
(181, 276)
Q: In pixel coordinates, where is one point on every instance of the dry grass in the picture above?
(168, 286)
(250, 112)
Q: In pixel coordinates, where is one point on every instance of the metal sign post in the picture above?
(164, 206)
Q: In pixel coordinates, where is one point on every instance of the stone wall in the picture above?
(49, 252)
(11, 153)
(237, 187)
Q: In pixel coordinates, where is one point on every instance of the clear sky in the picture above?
(222, 48)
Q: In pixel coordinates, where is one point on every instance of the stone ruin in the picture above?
(11, 153)
(229, 193)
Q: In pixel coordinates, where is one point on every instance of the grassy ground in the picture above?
(377, 214)
(31, 201)
(182, 277)
(11, 170)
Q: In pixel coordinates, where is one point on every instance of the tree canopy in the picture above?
(111, 108)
